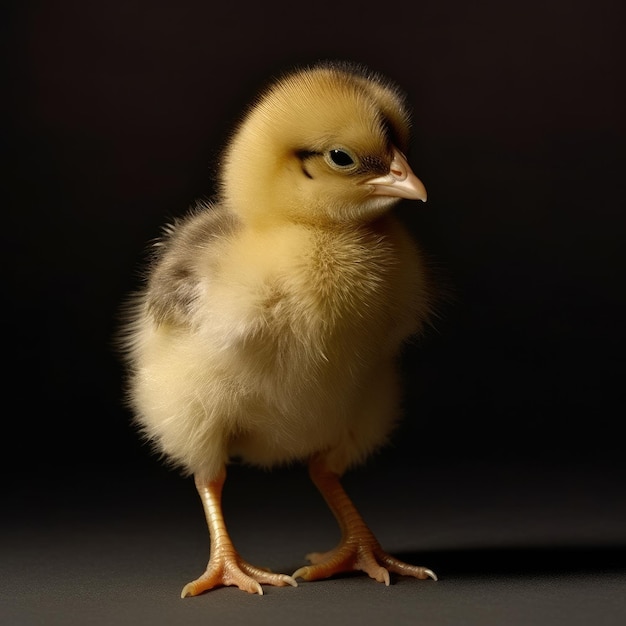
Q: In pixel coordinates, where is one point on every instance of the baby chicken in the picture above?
(269, 326)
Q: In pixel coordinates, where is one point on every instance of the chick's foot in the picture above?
(358, 549)
(226, 567)
(359, 553)
(232, 570)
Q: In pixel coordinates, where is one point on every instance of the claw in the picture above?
(385, 579)
(300, 573)
(429, 574)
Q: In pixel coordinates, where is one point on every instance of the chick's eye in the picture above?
(340, 158)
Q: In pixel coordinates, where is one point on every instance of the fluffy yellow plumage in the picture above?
(271, 318)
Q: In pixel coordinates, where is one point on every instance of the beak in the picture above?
(400, 182)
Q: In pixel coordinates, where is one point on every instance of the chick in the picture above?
(271, 318)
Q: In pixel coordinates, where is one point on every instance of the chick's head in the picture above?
(322, 144)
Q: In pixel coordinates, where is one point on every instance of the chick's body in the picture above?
(286, 348)
(271, 320)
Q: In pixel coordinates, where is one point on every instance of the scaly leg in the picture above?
(225, 566)
(358, 549)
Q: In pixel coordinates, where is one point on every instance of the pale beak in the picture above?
(400, 182)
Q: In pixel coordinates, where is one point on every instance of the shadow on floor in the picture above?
(521, 560)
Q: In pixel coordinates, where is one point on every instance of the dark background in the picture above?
(113, 114)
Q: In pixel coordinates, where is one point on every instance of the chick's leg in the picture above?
(225, 566)
(358, 549)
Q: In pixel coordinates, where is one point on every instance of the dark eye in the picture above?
(341, 158)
